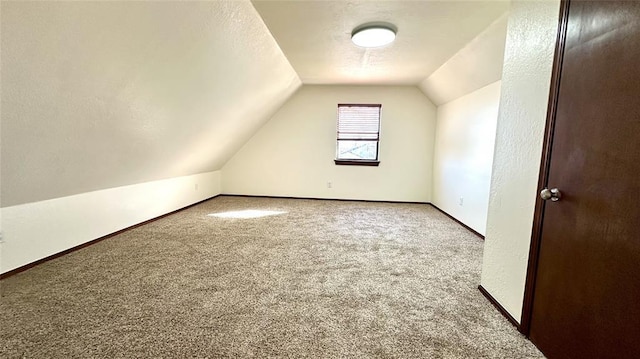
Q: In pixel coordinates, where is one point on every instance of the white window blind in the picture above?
(358, 132)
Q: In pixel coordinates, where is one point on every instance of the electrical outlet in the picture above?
(329, 184)
(196, 187)
(461, 202)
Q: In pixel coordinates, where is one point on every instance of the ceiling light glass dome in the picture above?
(373, 36)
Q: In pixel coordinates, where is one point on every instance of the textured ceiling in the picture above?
(315, 36)
(98, 95)
(476, 65)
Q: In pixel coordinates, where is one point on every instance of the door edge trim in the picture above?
(538, 217)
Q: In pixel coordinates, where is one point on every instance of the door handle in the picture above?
(551, 194)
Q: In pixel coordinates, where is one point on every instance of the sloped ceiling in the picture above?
(315, 35)
(476, 65)
(97, 95)
(102, 94)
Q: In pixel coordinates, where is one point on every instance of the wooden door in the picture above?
(586, 289)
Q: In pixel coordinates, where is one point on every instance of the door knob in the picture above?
(551, 194)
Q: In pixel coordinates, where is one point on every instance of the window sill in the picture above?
(357, 162)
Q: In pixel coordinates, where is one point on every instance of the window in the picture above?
(358, 134)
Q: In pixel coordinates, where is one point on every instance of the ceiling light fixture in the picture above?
(373, 35)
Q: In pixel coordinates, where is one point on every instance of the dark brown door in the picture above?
(586, 297)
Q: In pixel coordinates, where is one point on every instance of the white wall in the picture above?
(112, 112)
(531, 38)
(463, 155)
(36, 230)
(292, 155)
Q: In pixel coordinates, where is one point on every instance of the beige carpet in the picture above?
(324, 279)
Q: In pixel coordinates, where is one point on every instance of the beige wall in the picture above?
(465, 134)
(97, 95)
(292, 155)
(531, 38)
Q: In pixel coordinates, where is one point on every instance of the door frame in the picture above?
(538, 216)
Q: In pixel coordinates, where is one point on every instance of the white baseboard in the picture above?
(36, 230)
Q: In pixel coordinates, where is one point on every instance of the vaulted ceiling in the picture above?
(97, 95)
(315, 36)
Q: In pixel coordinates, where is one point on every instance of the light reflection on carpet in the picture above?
(249, 213)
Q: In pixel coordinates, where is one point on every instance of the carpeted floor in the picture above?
(324, 279)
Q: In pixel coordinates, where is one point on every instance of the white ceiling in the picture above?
(315, 36)
(114, 93)
(476, 65)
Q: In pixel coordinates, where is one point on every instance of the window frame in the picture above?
(358, 162)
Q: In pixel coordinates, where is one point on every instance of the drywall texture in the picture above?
(476, 65)
(292, 155)
(97, 95)
(463, 155)
(531, 38)
(36, 230)
(315, 37)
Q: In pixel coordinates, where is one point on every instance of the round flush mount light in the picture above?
(373, 35)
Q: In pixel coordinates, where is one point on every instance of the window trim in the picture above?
(375, 163)
(359, 162)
